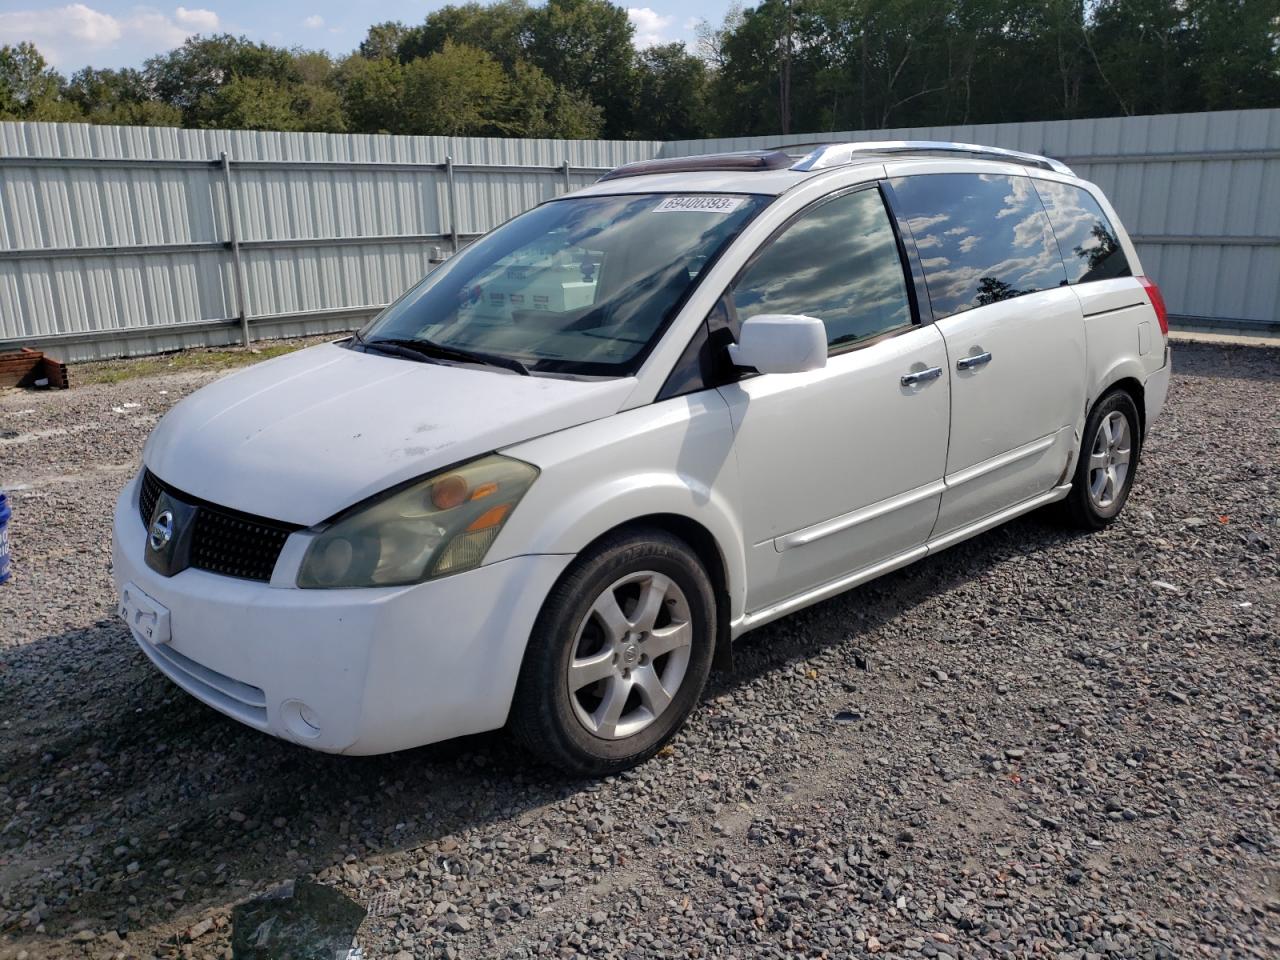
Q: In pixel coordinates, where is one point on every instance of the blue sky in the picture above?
(103, 33)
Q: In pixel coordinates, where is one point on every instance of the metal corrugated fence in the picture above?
(140, 239)
(1198, 192)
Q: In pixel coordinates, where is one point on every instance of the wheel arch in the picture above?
(1123, 370)
(709, 553)
(1130, 384)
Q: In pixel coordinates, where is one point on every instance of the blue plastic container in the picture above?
(5, 514)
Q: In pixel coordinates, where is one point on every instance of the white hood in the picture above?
(301, 437)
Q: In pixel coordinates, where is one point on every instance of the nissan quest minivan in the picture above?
(557, 478)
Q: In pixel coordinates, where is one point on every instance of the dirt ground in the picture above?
(1036, 743)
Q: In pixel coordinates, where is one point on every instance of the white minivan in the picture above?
(557, 478)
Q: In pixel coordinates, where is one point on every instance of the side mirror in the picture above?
(781, 343)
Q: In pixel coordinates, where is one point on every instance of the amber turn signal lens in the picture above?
(449, 492)
(484, 490)
(490, 518)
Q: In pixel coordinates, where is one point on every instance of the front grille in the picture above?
(224, 541)
(148, 496)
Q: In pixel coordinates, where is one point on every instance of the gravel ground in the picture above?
(1037, 742)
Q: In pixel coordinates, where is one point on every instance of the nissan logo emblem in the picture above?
(161, 531)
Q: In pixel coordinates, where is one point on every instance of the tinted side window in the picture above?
(1090, 247)
(838, 262)
(981, 238)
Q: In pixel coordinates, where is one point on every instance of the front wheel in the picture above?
(618, 657)
(1107, 463)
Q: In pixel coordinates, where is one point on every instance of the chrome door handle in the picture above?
(921, 376)
(971, 363)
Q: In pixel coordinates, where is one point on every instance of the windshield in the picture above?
(584, 285)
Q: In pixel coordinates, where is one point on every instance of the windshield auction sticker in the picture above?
(699, 204)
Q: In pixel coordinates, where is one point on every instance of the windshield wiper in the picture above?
(392, 349)
(428, 348)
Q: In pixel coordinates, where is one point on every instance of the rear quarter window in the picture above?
(982, 238)
(1090, 247)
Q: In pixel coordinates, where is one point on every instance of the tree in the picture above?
(119, 97)
(257, 103)
(671, 100)
(500, 29)
(586, 45)
(30, 89)
(1234, 51)
(568, 68)
(383, 40)
(190, 76)
(711, 40)
(743, 93)
(459, 91)
(372, 91)
(1139, 51)
(993, 290)
(536, 107)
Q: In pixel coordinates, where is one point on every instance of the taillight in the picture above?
(1157, 303)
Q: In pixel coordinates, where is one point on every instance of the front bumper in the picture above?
(376, 670)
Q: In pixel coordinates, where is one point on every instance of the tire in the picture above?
(586, 701)
(1112, 441)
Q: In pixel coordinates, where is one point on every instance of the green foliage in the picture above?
(383, 40)
(255, 103)
(499, 29)
(119, 97)
(458, 91)
(191, 76)
(671, 94)
(568, 68)
(536, 107)
(29, 88)
(585, 45)
(371, 92)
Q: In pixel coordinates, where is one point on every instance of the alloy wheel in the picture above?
(1109, 461)
(630, 655)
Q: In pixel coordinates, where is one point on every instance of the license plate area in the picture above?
(145, 617)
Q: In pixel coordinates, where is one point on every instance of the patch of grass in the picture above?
(116, 371)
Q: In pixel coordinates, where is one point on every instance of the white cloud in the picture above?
(74, 23)
(75, 34)
(313, 22)
(198, 19)
(649, 25)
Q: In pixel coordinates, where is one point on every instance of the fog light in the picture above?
(300, 720)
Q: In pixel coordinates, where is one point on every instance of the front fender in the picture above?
(674, 458)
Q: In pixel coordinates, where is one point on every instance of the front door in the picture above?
(1014, 336)
(841, 467)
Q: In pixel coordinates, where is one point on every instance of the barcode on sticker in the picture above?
(699, 204)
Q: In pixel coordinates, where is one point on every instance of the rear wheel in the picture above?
(618, 657)
(1108, 460)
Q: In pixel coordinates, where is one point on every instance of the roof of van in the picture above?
(771, 172)
(766, 182)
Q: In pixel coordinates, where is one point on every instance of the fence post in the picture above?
(568, 184)
(453, 202)
(233, 237)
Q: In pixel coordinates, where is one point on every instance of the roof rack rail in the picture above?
(839, 154)
(745, 160)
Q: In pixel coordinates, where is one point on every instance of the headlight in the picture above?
(443, 524)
